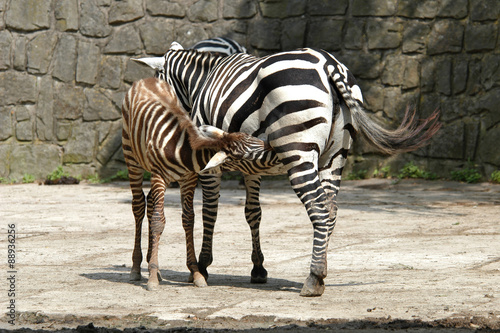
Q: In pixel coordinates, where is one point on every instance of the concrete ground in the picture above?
(413, 254)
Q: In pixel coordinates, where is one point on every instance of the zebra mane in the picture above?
(165, 95)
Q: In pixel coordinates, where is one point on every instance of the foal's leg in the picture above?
(253, 214)
(138, 208)
(187, 187)
(157, 224)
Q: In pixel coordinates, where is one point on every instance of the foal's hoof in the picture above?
(314, 286)
(258, 275)
(135, 276)
(198, 280)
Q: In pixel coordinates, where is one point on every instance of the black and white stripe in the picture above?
(307, 106)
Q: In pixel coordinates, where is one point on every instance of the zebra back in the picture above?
(220, 46)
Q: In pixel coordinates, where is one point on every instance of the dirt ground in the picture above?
(411, 256)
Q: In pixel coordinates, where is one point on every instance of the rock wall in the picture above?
(64, 69)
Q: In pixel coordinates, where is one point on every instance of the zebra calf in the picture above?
(159, 136)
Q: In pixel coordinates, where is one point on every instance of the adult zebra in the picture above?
(308, 107)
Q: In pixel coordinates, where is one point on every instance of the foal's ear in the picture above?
(215, 161)
(156, 63)
(176, 46)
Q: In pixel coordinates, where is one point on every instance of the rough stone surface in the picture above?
(157, 35)
(65, 59)
(68, 63)
(81, 144)
(374, 7)
(66, 14)
(93, 21)
(125, 11)
(5, 46)
(165, 8)
(28, 15)
(445, 36)
(40, 51)
(87, 63)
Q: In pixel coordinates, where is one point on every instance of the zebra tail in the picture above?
(410, 135)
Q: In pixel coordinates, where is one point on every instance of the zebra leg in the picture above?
(253, 214)
(187, 187)
(150, 204)
(306, 184)
(138, 208)
(211, 192)
(157, 224)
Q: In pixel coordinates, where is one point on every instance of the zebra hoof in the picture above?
(135, 276)
(198, 280)
(313, 287)
(152, 286)
(158, 275)
(258, 275)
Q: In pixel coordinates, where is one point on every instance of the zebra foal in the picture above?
(159, 136)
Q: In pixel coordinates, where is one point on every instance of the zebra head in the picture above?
(158, 63)
(236, 147)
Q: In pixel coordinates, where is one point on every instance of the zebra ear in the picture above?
(212, 132)
(215, 161)
(176, 46)
(156, 63)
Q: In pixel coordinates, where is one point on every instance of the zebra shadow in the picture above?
(120, 274)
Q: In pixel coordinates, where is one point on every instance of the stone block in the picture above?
(415, 37)
(40, 51)
(385, 34)
(165, 8)
(157, 35)
(135, 71)
(443, 76)
(374, 7)
(448, 142)
(5, 46)
(93, 22)
(326, 7)
(374, 98)
(325, 34)
(81, 144)
(110, 71)
(65, 59)
(21, 88)
(66, 14)
(24, 131)
(189, 34)
(484, 10)
(363, 65)
(239, 9)
(203, 11)
(487, 150)
(125, 39)
(265, 34)
(125, 11)
(19, 53)
(471, 137)
(490, 71)
(87, 63)
(6, 123)
(36, 159)
(99, 106)
(418, 9)
(111, 144)
(445, 36)
(480, 37)
(459, 75)
(63, 130)
(474, 85)
(45, 109)
(427, 68)
(487, 104)
(453, 8)
(282, 9)
(69, 102)
(393, 72)
(294, 30)
(354, 31)
(28, 15)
